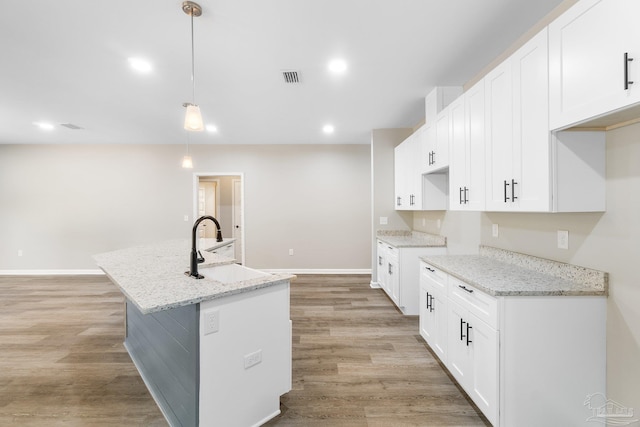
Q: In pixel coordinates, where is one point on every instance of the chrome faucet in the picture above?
(195, 259)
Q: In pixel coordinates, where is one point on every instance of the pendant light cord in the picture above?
(193, 66)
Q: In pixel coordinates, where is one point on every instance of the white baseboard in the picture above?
(375, 285)
(317, 271)
(95, 272)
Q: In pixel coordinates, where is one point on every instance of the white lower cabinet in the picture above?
(523, 360)
(433, 309)
(473, 351)
(398, 274)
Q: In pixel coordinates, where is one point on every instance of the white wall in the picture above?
(60, 204)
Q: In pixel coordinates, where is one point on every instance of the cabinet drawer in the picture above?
(437, 278)
(392, 252)
(484, 306)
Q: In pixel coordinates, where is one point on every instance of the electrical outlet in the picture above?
(186, 218)
(19, 252)
(494, 230)
(384, 220)
(252, 359)
(563, 239)
(211, 322)
(290, 252)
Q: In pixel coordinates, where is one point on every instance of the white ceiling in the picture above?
(65, 61)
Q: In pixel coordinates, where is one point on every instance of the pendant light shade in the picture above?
(193, 118)
(187, 163)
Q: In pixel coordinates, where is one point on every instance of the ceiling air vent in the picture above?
(291, 76)
(70, 126)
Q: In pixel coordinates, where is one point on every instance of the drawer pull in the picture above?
(464, 288)
(430, 269)
(627, 82)
(429, 302)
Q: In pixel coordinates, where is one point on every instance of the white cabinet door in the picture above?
(531, 186)
(427, 323)
(518, 159)
(587, 48)
(499, 137)
(475, 147)
(433, 310)
(413, 169)
(381, 265)
(458, 156)
(459, 353)
(484, 383)
(472, 352)
(440, 151)
(401, 183)
(393, 279)
(467, 153)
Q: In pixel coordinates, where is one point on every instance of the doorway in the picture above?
(221, 195)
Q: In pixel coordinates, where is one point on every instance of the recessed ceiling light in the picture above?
(337, 66)
(328, 129)
(44, 125)
(212, 128)
(140, 65)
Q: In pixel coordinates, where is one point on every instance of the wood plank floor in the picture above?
(356, 360)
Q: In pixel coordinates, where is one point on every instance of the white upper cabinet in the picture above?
(403, 173)
(529, 169)
(466, 148)
(413, 190)
(589, 75)
(438, 154)
(438, 116)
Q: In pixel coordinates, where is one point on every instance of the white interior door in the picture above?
(237, 218)
(207, 191)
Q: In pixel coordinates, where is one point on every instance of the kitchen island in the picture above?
(215, 351)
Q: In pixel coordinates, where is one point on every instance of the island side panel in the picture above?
(238, 387)
(164, 348)
(553, 351)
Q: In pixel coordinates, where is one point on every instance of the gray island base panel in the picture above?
(232, 374)
(164, 347)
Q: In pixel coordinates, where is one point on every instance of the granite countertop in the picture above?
(410, 239)
(504, 273)
(152, 276)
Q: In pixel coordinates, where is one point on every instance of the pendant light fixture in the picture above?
(187, 162)
(193, 117)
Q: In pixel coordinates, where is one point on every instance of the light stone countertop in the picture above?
(503, 273)
(410, 239)
(152, 276)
